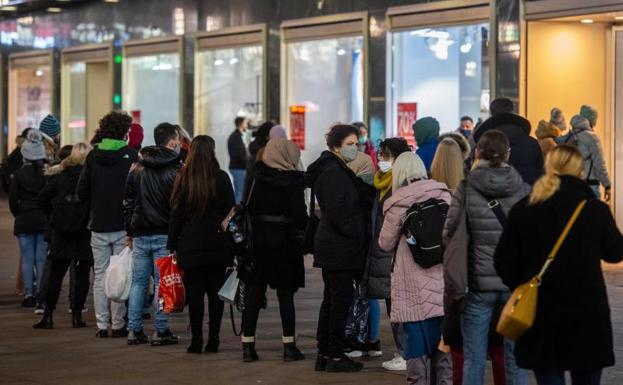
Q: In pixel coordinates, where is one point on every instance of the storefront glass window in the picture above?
(440, 72)
(151, 91)
(324, 85)
(76, 125)
(32, 97)
(230, 85)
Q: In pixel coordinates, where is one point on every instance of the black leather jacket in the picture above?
(148, 191)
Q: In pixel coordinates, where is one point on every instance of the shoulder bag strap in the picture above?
(559, 242)
(495, 206)
(312, 202)
(250, 194)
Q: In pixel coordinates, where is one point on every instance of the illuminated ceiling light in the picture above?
(465, 48)
(111, 1)
(218, 62)
(341, 52)
(618, 18)
(587, 21)
(54, 10)
(39, 73)
(233, 60)
(63, 1)
(9, 8)
(357, 51)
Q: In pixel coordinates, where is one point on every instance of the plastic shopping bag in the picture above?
(118, 279)
(357, 323)
(228, 292)
(171, 293)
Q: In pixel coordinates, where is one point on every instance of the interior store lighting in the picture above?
(618, 18)
(233, 60)
(218, 62)
(9, 8)
(341, 52)
(466, 47)
(586, 21)
(54, 10)
(111, 1)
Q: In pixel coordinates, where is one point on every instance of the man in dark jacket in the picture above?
(526, 155)
(102, 183)
(238, 156)
(147, 207)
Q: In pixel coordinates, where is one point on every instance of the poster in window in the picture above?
(407, 114)
(297, 125)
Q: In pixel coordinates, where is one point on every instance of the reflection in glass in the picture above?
(151, 91)
(230, 84)
(326, 77)
(444, 70)
(76, 125)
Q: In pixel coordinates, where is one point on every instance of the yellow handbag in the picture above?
(520, 310)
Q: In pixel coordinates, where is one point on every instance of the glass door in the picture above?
(618, 125)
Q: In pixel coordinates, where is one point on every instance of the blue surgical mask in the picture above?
(349, 153)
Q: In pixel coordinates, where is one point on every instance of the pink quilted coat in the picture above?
(417, 293)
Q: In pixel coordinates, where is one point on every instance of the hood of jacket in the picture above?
(278, 178)
(498, 182)
(547, 130)
(111, 157)
(327, 159)
(460, 140)
(417, 191)
(158, 157)
(514, 126)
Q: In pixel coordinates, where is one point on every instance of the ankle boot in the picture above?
(196, 345)
(248, 352)
(292, 353)
(76, 320)
(212, 345)
(46, 321)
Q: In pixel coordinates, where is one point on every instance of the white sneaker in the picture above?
(397, 363)
(39, 309)
(86, 309)
(355, 354)
(374, 353)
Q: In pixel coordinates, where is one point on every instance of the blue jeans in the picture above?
(145, 252)
(34, 249)
(239, 177)
(475, 325)
(557, 377)
(374, 320)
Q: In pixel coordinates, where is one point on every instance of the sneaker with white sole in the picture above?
(39, 309)
(397, 363)
(354, 354)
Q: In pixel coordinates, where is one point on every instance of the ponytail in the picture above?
(544, 188)
(562, 160)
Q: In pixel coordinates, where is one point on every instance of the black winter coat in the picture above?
(279, 216)
(62, 246)
(25, 187)
(199, 241)
(526, 155)
(10, 164)
(237, 151)
(147, 206)
(377, 275)
(572, 329)
(340, 242)
(102, 183)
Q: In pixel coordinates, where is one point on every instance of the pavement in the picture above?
(67, 356)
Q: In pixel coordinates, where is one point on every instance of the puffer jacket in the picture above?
(146, 204)
(27, 182)
(595, 170)
(507, 187)
(417, 293)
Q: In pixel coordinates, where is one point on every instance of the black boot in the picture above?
(343, 364)
(248, 352)
(321, 363)
(46, 321)
(292, 353)
(76, 320)
(212, 345)
(196, 345)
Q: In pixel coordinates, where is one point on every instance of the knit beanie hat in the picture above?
(590, 114)
(50, 126)
(135, 137)
(33, 148)
(579, 122)
(425, 129)
(501, 106)
(558, 118)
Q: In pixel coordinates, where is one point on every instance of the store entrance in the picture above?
(572, 61)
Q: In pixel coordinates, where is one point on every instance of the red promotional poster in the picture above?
(407, 114)
(297, 125)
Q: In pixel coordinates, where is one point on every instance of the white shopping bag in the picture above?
(229, 290)
(118, 279)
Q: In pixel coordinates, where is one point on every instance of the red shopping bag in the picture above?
(171, 293)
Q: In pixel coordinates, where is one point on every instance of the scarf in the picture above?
(281, 154)
(383, 183)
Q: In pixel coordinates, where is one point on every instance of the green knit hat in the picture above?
(589, 113)
(425, 129)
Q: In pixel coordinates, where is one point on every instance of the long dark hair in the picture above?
(196, 182)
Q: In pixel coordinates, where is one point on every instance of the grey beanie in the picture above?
(33, 148)
(578, 122)
(589, 113)
(557, 118)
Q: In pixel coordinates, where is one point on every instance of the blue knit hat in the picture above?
(50, 126)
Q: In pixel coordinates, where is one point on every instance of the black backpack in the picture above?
(70, 215)
(423, 228)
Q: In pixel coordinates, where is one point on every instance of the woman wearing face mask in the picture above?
(340, 243)
(364, 143)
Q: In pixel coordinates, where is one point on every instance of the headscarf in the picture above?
(277, 132)
(363, 167)
(281, 154)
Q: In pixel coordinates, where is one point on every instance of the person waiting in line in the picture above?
(546, 133)
(466, 127)
(279, 215)
(417, 292)
(136, 136)
(426, 131)
(50, 127)
(67, 247)
(238, 157)
(256, 148)
(365, 144)
(339, 245)
(102, 183)
(26, 183)
(201, 199)
(447, 166)
(147, 208)
(586, 140)
(464, 146)
(485, 196)
(525, 156)
(277, 131)
(572, 330)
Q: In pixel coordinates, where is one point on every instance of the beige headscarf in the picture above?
(362, 165)
(281, 154)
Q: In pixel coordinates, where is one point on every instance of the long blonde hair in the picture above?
(77, 157)
(406, 167)
(447, 166)
(562, 160)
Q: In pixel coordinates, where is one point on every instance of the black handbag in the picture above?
(307, 245)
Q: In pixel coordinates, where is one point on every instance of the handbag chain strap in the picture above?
(559, 242)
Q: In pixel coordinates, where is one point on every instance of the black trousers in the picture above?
(255, 300)
(58, 268)
(198, 282)
(337, 299)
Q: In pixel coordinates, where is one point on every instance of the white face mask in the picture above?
(385, 165)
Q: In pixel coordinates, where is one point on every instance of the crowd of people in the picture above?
(504, 198)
